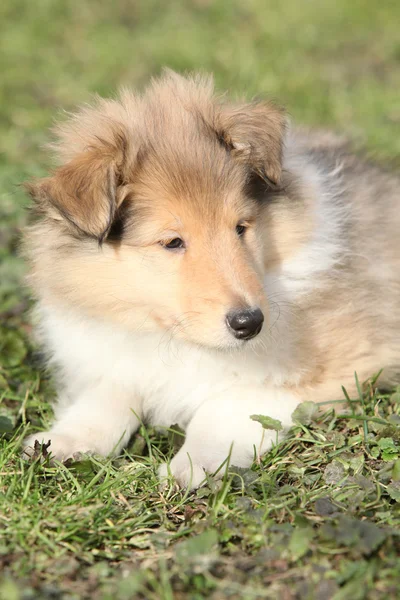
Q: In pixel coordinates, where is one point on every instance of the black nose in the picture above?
(245, 323)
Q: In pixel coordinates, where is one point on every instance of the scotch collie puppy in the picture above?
(196, 261)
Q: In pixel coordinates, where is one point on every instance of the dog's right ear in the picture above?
(86, 192)
(254, 132)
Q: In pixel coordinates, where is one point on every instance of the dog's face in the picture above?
(152, 221)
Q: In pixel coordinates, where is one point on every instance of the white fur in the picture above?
(327, 247)
(113, 379)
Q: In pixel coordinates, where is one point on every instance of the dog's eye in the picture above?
(174, 244)
(240, 229)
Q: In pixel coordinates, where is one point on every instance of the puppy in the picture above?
(196, 261)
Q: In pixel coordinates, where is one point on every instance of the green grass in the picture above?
(319, 518)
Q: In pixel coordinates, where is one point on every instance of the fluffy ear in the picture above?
(255, 133)
(84, 192)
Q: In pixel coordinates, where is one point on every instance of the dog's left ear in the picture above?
(85, 193)
(255, 133)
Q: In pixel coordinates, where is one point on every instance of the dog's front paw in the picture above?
(60, 446)
(190, 469)
(187, 475)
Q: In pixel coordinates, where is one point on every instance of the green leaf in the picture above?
(324, 507)
(394, 420)
(337, 438)
(6, 425)
(267, 422)
(396, 470)
(388, 455)
(375, 452)
(363, 536)
(351, 569)
(389, 450)
(203, 492)
(300, 541)
(395, 397)
(393, 489)
(242, 477)
(201, 544)
(334, 472)
(84, 466)
(386, 444)
(371, 536)
(353, 590)
(305, 413)
(356, 463)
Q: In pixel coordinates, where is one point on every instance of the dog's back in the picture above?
(356, 314)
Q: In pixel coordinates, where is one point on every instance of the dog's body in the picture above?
(175, 225)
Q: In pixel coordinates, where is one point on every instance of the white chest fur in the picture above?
(170, 377)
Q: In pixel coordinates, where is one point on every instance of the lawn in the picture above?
(319, 518)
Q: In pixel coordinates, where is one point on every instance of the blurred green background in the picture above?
(331, 63)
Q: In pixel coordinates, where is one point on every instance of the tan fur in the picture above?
(177, 162)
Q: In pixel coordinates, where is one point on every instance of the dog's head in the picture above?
(152, 220)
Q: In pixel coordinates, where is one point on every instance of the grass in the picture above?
(319, 518)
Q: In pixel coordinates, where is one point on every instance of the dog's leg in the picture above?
(100, 420)
(222, 429)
